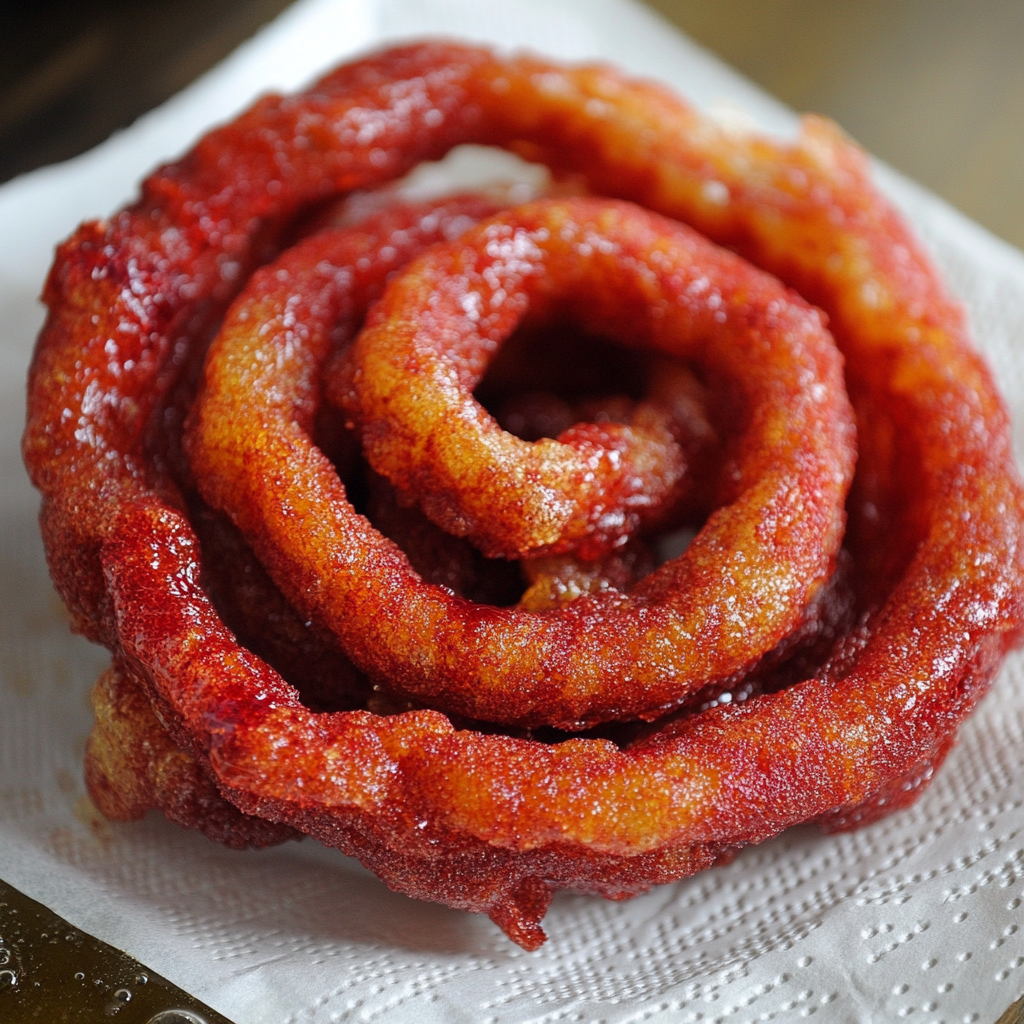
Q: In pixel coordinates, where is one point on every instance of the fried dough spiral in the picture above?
(739, 589)
(846, 718)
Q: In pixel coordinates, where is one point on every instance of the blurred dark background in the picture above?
(935, 87)
(73, 71)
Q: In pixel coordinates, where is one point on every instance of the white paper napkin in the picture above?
(916, 917)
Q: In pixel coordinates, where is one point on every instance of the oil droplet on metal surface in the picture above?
(176, 1017)
(122, 997)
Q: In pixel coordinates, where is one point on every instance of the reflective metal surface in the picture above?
(53, 973)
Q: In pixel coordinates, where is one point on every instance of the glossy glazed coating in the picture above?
(739, 589)
(132, 765)
(489, 822)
